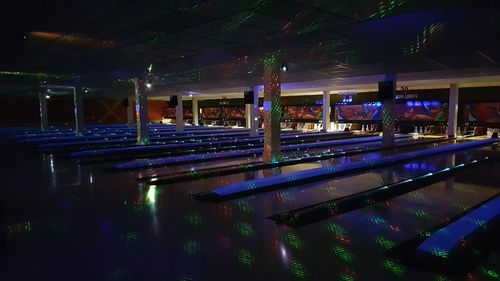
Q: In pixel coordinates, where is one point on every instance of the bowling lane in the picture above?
(271, 203)
(62, 141)
(173, 170)
(130, 141)
(205, 185)
(169, 150)
(384, 225)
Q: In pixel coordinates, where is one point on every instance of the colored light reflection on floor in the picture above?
(191, 247)
(195, 220)
(384, 243)
(293, 241)
(152, 194)
(491, 273)
(386, 7)
(246, 258)
(245, 229)
(394, 267)
(343, 254)
(298, 269)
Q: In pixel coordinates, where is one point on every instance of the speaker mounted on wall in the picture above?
(386, 90)
(248, 95)
(173, 101)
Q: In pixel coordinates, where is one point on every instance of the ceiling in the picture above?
(219, 44)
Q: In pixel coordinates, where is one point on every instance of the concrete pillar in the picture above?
(450, 162)
(141, 111)
(44, 121)
(388, 115)
(250, 110)
(130, 111)
(78, 106)
(248, 116)
(254, 113)
(326, 111)
(453, 111)
(179, 115)
(272, 108)
(196, 111)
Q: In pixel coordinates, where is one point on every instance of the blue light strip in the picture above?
(34, 136)
(173, 146)
(289, 179)
(178, 136)
(181, 159)
(106, 139)
(448, 238)
(213, 156)
(316, 212)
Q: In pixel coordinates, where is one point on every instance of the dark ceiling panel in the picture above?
(210, 39)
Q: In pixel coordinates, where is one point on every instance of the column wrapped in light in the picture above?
(141, 111)
(272, 108)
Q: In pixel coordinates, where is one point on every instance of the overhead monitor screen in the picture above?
(359, 112)
(483, 112)
(422, 111)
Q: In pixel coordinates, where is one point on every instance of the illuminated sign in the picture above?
(406, 96)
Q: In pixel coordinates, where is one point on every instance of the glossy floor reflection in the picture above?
(62, 221)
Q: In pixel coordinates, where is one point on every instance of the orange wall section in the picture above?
(156, 110)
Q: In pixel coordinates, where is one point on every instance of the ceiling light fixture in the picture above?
(149, 85)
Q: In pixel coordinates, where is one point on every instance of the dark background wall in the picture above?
(17, 111)
(24, 111)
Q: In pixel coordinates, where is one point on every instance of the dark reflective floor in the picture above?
(61, 221)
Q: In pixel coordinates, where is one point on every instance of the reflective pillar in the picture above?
(272, 108)
(196, 111)
(453, 111)
(254, 113)
(44, 121)
(141, 111)
(78, 105)
(248, 116)
(130, 111)
(179, 115)
(388, 116)
(326, 111)
(450, 162)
